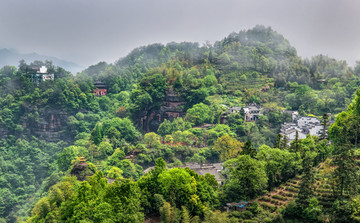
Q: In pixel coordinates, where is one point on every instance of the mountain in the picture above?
(12, 57)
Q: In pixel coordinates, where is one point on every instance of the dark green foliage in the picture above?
(257, 65)
(199, 114)
(344, 134)
(246, 178)
(248, 149)
(280, 165)
(178, 124)
(269, 207)
(94, 201)
(307, 182)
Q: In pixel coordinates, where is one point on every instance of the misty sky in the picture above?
(89, 31)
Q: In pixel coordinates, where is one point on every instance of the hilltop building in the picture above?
(100, 89)
(42, 75)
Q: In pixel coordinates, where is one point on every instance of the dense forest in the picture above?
(67, 155)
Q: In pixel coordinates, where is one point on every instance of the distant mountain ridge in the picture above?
(12, 57)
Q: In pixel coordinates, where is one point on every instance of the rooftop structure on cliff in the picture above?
(100, 88)
(42, 75)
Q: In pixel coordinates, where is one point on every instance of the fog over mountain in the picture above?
(12, 57)
(87, 32)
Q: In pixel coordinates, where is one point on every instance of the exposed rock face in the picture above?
(51, 125)
(171, 108)
(48, 124)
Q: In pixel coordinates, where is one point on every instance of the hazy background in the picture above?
(89, 31)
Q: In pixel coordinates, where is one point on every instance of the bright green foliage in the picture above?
(280, 165)
(257, 65)
(246, 178)
(217, 131)
(152, 140)
(124, 126)
(199, 114)
(65, 157)
(228, 147)
(130, 170)
(93, 201)
(307, 182)
(169, 214)
(97, 133)
(177, 124)
(105, 147)
(216, 217)
(115, 173)
(344, 133)
(179, 187)
(313, 212)
(116, 158)
(150, 189)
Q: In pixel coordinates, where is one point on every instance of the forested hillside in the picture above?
(67, 155)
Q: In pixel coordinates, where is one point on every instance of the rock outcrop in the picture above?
(51, 125)
(171, 108)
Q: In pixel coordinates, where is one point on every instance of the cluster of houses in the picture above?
(303, 125)
(308, 125)
(252, 111)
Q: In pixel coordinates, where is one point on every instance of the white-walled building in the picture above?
(252, 112)
(42, 75)
(304, 126)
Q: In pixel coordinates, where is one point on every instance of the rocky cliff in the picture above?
(49, 124)
(172, 107)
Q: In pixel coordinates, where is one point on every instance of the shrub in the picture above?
(268, 199)
(292, 189)
(269, 207)
(279, 197)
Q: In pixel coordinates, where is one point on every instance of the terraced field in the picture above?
(280, 196)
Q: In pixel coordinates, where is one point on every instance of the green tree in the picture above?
(199, 114)
(152, 140)
(97, 134)
(246, 178)
(248, 149)
(325, 123)
(307, 182)
(179, 188)
(228, 147)
(115, 173)
(105, 147)
(313, 212)
(65, 157)
(280, 165)
(346, 171)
